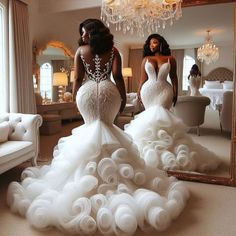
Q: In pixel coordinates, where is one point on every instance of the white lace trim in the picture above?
(98, 74)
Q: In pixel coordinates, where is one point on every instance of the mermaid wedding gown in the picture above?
(161, 137)
(194, 83)
(96, 180)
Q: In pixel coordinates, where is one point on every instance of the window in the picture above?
(46, 80)
(3, 81)
(188, 63)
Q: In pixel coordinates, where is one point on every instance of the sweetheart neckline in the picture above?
(160, 66)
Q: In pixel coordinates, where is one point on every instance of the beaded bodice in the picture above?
(97, 73)
(156, 90)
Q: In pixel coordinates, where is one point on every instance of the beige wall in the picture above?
(226, 59)
(63, 26)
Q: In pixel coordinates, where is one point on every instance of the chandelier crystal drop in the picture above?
(208, 52)
(140, 16)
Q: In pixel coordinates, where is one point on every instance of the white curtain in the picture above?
(4, 56)
(20, 90)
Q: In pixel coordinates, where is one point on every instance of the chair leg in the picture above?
(198, 131)
(34, 161)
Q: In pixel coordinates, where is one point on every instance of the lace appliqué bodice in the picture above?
(99, 97)
(157, 90)
(98, 74)
(194, 83)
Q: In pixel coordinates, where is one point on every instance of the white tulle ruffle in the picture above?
(101, 185)
(163, 142)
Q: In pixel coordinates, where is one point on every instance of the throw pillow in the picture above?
(213, 84)
(228, 85)
(4, 131)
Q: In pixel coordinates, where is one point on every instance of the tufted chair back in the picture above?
(191, 109)
(22, 126)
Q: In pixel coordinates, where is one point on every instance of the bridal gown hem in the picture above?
(96, 180)
(162, 137)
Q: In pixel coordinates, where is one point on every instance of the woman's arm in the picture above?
(117, 75)
(174, 79)
(143, 78)
(79, 73)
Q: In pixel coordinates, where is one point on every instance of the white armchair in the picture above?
(191, 109)
(132, 104)
(22, 142)
(226, 112)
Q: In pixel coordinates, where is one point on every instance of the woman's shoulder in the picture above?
(149, 58)
(115, 50)
(83, 49)
(171, 59)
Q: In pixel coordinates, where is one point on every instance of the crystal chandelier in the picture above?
(140, 16)
(208, 52)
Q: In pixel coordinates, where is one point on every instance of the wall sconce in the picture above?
(127, 72)
(60, 79)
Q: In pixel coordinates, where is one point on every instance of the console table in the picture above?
(67, 110)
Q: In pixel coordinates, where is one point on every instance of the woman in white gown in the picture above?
(96, 180)
(161, 137)
(194, 80)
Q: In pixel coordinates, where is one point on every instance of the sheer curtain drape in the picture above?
(20, 94)
(4, 56)
(135, 61)
(179, 57)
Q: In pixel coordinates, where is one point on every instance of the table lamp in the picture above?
(60, 79)
(127, 72)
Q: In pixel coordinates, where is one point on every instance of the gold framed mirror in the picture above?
(48, 59)
(229, 180)
(224, 175)
(215, 179)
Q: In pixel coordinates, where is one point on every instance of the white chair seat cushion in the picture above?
(13, 149)
(129, 108)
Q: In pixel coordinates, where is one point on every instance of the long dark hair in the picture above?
(194, 71)
(100, 38)
(164, 46)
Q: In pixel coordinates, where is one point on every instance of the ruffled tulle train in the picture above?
(163, 142)
(96, 182)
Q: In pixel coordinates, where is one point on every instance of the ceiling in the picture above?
(189, 31)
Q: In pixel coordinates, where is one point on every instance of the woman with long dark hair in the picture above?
(97, 181)
(161, 137)
(194, 80)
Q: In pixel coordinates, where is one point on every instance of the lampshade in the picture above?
(127, 72)
(60, 79)
(72, 76)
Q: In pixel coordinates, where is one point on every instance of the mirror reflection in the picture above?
(209, 117)
(54, 65)
(213, 129)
